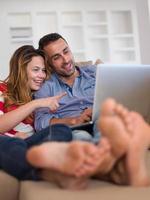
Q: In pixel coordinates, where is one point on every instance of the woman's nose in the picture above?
(42, 74)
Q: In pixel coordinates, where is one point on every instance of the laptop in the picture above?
(127, 84)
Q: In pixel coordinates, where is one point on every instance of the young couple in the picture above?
(122, 133)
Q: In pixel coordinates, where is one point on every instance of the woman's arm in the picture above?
(9, 120)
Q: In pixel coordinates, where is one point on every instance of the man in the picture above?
(78, 83)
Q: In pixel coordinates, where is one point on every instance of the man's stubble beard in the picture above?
(61, 74)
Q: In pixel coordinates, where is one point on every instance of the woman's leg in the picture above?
(13, 150)
(13, 158)
(13, 161)
(57, 132)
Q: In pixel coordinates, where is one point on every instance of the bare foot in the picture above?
(103, 152)
(75, 158)
(111, 125)
(139, 143)
(64, 181)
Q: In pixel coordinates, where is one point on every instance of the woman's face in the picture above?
(36, 73)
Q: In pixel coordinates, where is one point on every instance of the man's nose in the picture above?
(65, 58)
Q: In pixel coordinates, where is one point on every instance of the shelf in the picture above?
(71, 17)
(121, 22)
(96, 17)
(79, 51)
(20, 32)
(123, 35)
(97, 30)
(124, 49)
(121, 42)
(91, 34)
(19, 19)
(72, 25)
(98, 37)
(98, 24)
(99, 49)
(20, 28)
(73, 34)
(22, 40)
(46, 22)
(124, 56)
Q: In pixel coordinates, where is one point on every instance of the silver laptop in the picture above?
(128, 84)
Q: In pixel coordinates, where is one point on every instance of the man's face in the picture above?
(60, 58)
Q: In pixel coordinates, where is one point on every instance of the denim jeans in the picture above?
(89, 133)
(13, 150)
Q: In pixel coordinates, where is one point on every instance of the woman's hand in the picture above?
(51, 102)
(21, 135)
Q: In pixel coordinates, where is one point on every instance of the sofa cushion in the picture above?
(97, 190)
(9, 187)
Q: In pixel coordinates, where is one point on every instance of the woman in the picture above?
(28, 70)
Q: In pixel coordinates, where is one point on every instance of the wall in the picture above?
(141, 6)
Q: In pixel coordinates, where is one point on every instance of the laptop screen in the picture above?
(128, 84)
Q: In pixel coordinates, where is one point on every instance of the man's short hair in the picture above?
(46, 39)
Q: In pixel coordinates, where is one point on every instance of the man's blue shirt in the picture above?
(79, 96)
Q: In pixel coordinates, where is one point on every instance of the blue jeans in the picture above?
(13, 150)
(89, 133)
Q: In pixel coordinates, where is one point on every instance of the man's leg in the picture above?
(113, 128)
(130, 169)
(81, 135)
(136, 155)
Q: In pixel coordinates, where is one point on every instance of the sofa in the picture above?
(12, 189)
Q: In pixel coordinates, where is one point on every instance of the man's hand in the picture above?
(85, 116)
(87, 112)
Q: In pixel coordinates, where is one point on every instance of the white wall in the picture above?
(141, 6)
